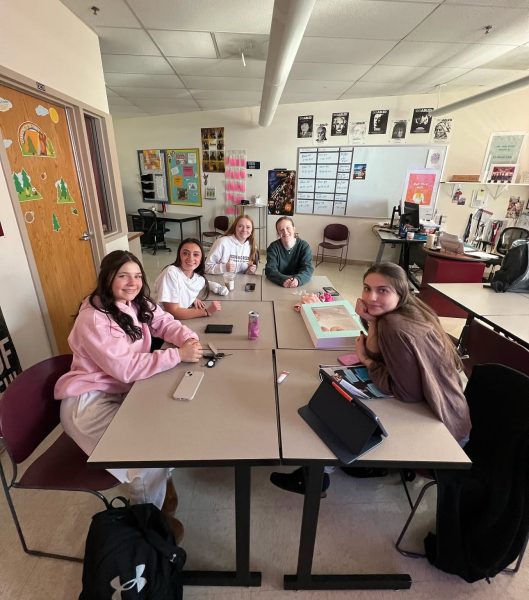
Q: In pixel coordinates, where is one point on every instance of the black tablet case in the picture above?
(348, 428)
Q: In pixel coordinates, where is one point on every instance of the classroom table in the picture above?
(512, 326)
(238, 293)
(236, 313)
(237, 429)
(291, 331)
(416, 439)
(272, 291)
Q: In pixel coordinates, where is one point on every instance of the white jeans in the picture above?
(85, 419)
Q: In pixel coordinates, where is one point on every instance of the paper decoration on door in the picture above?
(54, 115)
(421, 120)
(7, 143)
(25, 189)
(5, 104)
(33, 141)
(63, 195)
(41, 111)
(212, 149)
(29, 216)
(378, 122)
(55, 222)
(9, 363)
(281, 192)
(74, 211)
(183, 172)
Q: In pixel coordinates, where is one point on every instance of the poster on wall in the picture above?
(503, 149)
(357, 132)
(378, 122)
(183, 172)
(501, 174)
(420, 186)
(339, 123)
(322, 131)
(9, 363)
(421, 120)
(398, 131)
(212, 149)
(514, 208)
(305, 125)
(442, 130)
(281, 192)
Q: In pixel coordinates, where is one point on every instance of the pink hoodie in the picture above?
(104, 357)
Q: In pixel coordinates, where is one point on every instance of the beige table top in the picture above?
(232, 417)
(238, 293)
(484, 301)
(272, 291)
(415, 435)
(236, 313)
(291, 330)
(512, 325)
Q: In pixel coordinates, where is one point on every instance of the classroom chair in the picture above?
(28, 414)
(220, 225)
(154, 230)
(335, 237)
(483, 512)
(507, 237)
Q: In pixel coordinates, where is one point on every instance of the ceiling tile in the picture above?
(518, 58)
(442, 54)
(363, 89)
(331, 71)
(147, 92)
(499, 3)
(115, 80)
(114, 40)
(176, 105)
(118, 101)
(489, 77)
(339, 50)
(110, 14)
(312, 85)
(312, 96)
(451, 23)
(223, 83)
(224, 104)
(231, 45)
(210, 67)
(245, 96)
(127, 111)
(252, 16)
(378, 20)
(125, 63)
(404, 75)
(184, 43)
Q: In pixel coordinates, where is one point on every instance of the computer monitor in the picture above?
(410, 216)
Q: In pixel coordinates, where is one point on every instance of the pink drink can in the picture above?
(253, 325)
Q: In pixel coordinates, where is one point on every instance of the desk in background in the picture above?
(387, 237)
(178, 218)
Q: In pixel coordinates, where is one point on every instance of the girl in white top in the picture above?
(181, 288)
(235, 252)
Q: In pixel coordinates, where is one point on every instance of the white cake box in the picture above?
(332, 324)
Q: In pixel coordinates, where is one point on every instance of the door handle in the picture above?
(86, 237)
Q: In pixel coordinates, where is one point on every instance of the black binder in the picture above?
(348, 427)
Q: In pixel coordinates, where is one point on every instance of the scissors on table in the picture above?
(214, 356)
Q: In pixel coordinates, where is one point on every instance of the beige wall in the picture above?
(276, 146)
(59, 51)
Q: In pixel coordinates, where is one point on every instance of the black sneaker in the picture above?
(364, 472)
(295, 481)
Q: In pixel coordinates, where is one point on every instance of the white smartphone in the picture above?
(188, 386)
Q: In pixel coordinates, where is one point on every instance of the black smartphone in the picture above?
(218, 328)
(249, 287)
(331, 291)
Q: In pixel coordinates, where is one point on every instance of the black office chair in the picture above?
(154, 230)
(507, 237)
(483, 513)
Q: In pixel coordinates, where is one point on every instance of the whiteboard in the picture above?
(333, 181)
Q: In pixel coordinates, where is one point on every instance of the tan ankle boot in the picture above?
(176, 527)
(171, 499)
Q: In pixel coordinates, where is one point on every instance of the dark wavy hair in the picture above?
(414, 309)
(200, 270)
(102, 298)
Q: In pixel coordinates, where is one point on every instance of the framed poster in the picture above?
(212, 149)
(183, 174)
(503, 150)
(281, 192)
(420, 186)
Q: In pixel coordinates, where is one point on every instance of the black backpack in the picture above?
(131, 555)
(513, 275)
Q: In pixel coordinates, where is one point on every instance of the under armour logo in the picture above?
(139, 581)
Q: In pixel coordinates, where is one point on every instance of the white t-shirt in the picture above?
(173, 286)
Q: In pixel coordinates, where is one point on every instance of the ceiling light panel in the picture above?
(231, 45)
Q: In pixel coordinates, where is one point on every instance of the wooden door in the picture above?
(37, 140)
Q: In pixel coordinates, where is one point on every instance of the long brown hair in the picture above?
(200, 270)
(254, 254)
(414, 309)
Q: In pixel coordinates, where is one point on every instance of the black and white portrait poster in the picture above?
(442, 130)
(421, 120)
(339, 123)
(398, 131)
(357, 132)
(378, 123)
(305, 124)
(322, 134)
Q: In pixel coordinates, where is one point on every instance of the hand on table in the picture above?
(251, 268)
(191, 351)
(199, 304)
(214, 307)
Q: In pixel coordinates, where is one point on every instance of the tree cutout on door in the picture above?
(75, 211)
(33, 141)
(25, 189)
(55, 222)
(63, 195)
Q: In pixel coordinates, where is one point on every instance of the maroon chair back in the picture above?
(221, 222)
(336, 232)
(28, 409)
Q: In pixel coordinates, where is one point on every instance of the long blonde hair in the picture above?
(254, 253)
(414, 309)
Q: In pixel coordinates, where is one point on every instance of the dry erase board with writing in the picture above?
(359, 181)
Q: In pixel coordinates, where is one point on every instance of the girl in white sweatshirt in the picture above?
(235, 252)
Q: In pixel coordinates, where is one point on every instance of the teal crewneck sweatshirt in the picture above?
(282, 264)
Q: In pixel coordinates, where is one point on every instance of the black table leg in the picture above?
(304, 580)
(242, 576)
(199, 221)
